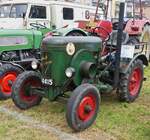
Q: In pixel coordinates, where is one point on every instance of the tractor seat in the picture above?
(113, 38)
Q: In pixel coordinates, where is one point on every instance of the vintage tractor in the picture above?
(73, 67)
(18, 48)
(136, 25)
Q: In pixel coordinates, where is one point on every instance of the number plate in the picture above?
(47, 82)
(127, 51)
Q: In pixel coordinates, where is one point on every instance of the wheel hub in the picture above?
(86, 108)
(135, 80)
(6, 82)
(26, 92)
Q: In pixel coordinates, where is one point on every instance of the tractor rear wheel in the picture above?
(22, 94)
(82, 107)
(8, 74)
(131, 82)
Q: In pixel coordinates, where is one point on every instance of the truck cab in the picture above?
(19, 14)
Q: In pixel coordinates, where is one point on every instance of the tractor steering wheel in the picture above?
(100, 27)
(37, 26)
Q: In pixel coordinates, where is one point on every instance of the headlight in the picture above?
(34, 64)
(70, 72)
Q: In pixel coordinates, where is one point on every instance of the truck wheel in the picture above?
(131, 82)
(8, 74)
(82, 107)
(22, 94)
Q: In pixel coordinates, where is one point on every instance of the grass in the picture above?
(12, 130)
(115, 120)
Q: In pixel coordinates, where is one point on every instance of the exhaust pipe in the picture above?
(119, 43)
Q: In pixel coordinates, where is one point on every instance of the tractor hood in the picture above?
(88, 43)
(60, 53)
(19, 39)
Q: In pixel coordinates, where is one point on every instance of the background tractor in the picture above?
(138, 28)
(74, 68)
(18, 48)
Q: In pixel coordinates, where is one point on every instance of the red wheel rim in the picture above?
(25, 92)
(6, 82)
(135, 81)
(87, 107)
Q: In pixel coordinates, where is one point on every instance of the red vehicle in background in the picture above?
(136, 26)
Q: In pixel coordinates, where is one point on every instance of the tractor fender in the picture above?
(141, 57)
(67, 31)
(77, 30)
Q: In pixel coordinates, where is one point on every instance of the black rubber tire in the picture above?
(4, 70)
(78, 94)
(123, 92)
(24, 80)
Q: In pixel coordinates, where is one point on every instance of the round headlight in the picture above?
(34, 65)
(70, 72)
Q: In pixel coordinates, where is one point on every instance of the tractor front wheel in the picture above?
(82, 107)
(8, 74)
(22, 90)
(131, 82)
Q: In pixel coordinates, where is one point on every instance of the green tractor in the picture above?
(18, 48)
(77, 68)
(74, 64)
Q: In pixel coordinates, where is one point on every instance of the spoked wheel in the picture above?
(22, 90)
(8, 74)
(131, 82)
(82, 107)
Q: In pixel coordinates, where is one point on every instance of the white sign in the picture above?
(127, 51)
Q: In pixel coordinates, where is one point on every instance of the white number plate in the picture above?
(127, 51)
(47, 82)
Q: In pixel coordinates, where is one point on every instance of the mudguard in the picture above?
(142, 57)
(67, 31)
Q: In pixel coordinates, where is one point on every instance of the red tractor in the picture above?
(136, 24)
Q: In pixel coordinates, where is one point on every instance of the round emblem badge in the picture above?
(70, 48)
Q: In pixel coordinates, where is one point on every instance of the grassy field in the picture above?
(120, 121)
